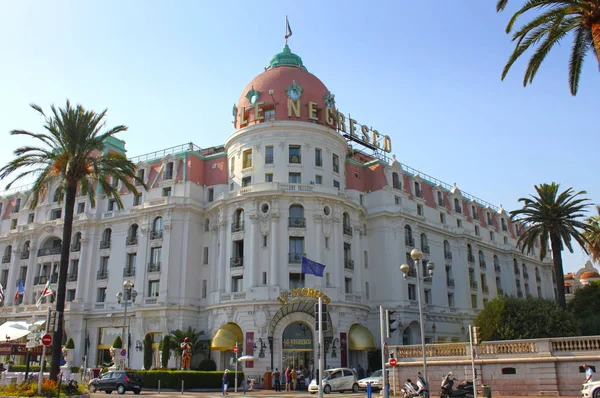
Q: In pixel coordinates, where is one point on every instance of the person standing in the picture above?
(361, 372)
(288, 379)
(225, 381)
(294, 379)
(589, 374)
(277, 380)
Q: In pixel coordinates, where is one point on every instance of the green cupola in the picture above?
(286, 58)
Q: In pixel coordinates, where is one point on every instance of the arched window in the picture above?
(525, 274)
(516, 266)
(157, 228)
(106, 235)
(470, 256)
(7, 254)
(132, 235)
(424, 245)
(296, 218)
(457, 207)
(396, 184)
(76, 242)
(346, 224)
(537, 275)
(418, 192)
(496, 263)
(206, 225)
(447, 251)
(238, 221)
(408, 238)
(481, 259)
(25, 250)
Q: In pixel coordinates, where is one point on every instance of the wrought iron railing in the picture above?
(471, 258)
(448, 255)
(105, 244)
(156, 234)
(482, 264)
(409, 241)
(154, 267)
(295, 258)
(296, 222)
(76, 247)
(497, 268)
(237, 227)
(48, 251)
(128, 271)
(131, 240)
(473, 284)
(236, 261)
(347, 230)
(24, 254)
(101, 275)
(450, 282)
(6, 259)
(425, 248)
(348, 264)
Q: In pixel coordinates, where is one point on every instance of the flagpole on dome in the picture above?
(288, 30)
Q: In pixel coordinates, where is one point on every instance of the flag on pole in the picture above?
(288, 30)
(20, 290)
(310, 267)
(46, 292)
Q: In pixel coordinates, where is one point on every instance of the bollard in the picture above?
(181, 387)
(159, 387)
(369, 392)
(487, 391)
(387, 390)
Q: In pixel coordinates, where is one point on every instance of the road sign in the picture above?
(47, 339)
(393, 362)
(235, 350)
(123, 353)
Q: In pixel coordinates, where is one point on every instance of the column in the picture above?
(83, 272)
(319, 243)
(357, 283)
(222, 254)
(275, 241)
(14, 269)
(214, 261)
(250, 265)
(337, 248)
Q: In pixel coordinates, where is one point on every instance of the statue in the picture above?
(186, 354)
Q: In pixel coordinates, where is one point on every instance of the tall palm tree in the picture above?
(70, 155)
(179, 335)
(593, 236)
(552, 216)
(557, 19)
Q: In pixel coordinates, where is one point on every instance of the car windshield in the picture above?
(377, 373)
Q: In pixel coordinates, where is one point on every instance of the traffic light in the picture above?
(390, 322)
(475, 336)
(323, 319)
(52, 322)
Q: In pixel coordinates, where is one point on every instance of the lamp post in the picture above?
(417, 255)
(433, 328)
(127, 287)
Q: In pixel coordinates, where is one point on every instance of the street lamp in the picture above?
(127, 288)
(417, 255)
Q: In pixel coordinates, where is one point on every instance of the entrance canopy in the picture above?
(14, 330)
(226, 337)
(360, 338)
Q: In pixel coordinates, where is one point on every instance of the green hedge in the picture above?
(192, 379)
(36, 368)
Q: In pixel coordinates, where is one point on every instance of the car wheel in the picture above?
(93, 388)
(313, 392)
(108, 391)
(355, 388)
(327, 389)
(121, 389)
(137, 391)
(596, 393)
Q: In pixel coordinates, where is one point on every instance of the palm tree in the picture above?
(557, 19)
(70, 155)
(593, 236)
(552, 216)
(179, 335)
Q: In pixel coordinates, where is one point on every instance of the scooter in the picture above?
(412, 390)
(462, 390)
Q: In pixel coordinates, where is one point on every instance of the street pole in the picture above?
(472, 362)
(383, 372)
(43, 360)
(321, 353)
(124, 330)
(421, 320)
(236, 366)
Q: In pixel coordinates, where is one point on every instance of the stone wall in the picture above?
(517, 367)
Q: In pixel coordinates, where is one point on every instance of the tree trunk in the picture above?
(62, 280)
(555, 242)
(596, 39)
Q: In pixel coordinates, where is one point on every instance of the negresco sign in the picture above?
(304, 292)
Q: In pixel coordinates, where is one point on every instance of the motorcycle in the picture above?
(464, 390)
(412, 390)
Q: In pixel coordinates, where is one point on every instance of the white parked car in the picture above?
(590, 390)
(339, 379)
(376, 380)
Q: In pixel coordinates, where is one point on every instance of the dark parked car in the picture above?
(117, 381)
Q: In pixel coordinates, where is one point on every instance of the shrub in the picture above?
(166, 351)
(148, 351)
(191, 378)
(118, 343)
(70, 344)
(207, 365)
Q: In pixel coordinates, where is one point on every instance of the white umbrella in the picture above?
(246, 358)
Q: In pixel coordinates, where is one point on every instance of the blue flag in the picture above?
(310, 267)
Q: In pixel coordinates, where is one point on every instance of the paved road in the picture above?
(299, 394)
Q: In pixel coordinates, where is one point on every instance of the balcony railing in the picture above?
(473, 284)
(237, 227)
(105, 244)
(76, 247)
(6, 259)
(269, 159)
(485, 289)
(471, 258)
(154, 267)
(538, 279)
(131, 240)
(24, 254)
(54, 278)
(348, 264)
(296, 222)
(295, 159)
(412, 272)
(497, 268)
(440, 202)
(101, 275)
(448, 255)
(236, 261)
(128, 271)
(517, 271)
(409, 241)
(156, 234)
(347, 230)
(450, 282)
(526, 275)
(482, 264)
(419, 194)
(48, 251)
(72, 277)
(40, 280)
(425, 249)
(295, 258)
(167, 175)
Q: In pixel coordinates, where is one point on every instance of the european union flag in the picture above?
(310, 267)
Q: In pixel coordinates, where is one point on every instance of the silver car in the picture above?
(339, 379)
(376, 380)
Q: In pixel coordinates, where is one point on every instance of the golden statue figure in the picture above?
(186, 354)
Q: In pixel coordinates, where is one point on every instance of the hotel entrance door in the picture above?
(298, 348)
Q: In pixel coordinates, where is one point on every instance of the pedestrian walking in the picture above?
(225, 381)
(589, 374)
(277, 380)
(294, 379)
(361, 372)
(288, 379)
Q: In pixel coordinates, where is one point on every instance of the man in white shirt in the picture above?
(589, 374)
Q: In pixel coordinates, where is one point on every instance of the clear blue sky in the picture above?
(427, 73)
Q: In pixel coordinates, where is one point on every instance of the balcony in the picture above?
(448, 255)
(450, 282)
(130, 241)
(6, 259)
(348, 264)
(128, 272)
(517, 272)
(72, 277)
(500, 291)
(538, 279)
(485, 289)
(48, 251)
(440, 202)
(295, 258)
(419, 194)
(237, 227)
(76, 247)
(526, 275)
(105, 244)
(168, 175)
(154, 267)
(296, 222)
(482, 264)
(471, 258)
(473, 285)
(269, 159)
(156, 234)
(24, 254)
(40, 280)
(347, 230)
(54, 278)
(409, 242)
(102, 275)
(412, 272)
(425, 249)
(236, 261)
(295, 159)
(497, 268)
